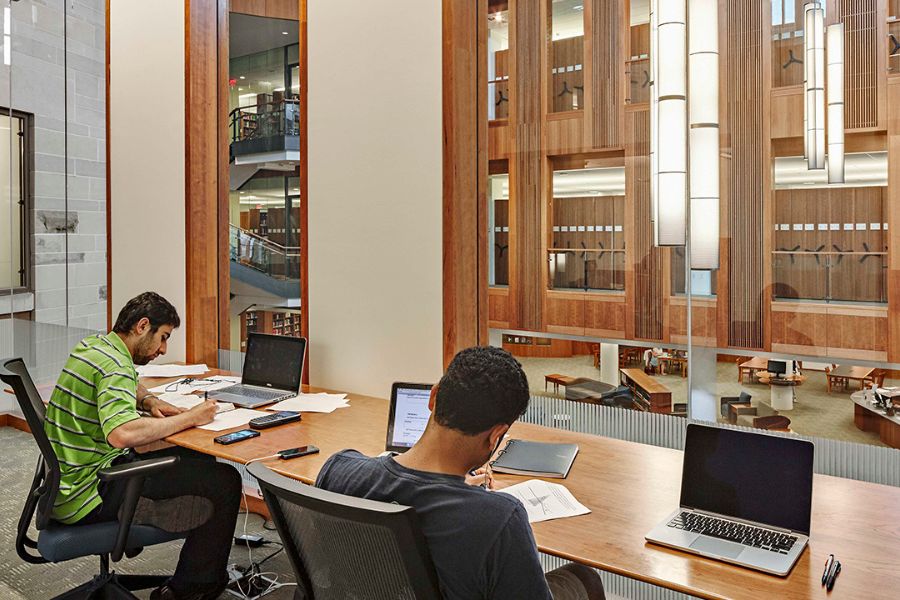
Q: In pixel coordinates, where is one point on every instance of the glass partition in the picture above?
(566, 60)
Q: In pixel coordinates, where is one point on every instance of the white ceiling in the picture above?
(248, 34)
(860, 169)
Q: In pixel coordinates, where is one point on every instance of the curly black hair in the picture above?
(150, 305)
(483, 387)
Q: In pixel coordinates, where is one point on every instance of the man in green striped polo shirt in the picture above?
(93, 421)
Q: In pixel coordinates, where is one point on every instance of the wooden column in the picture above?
(201, 117)
(465, 176)
(893, 217)
(528, 20)
(607, 42)
(303, 224)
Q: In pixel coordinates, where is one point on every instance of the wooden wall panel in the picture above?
(643, 261)
(828, 329)
(499, 140)
(276, 9)
(555, 349)
(864, 61)
(604, 315)
(527, 181)
(606, 62)
(703, 320)
(564, 312)
(564, 134)
(464, 261)
(787, 113)
(746, 178)
(893, 218)
(498, 308)
(201, 180)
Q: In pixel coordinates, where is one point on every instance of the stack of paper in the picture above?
(544, 501)
(232, 418)
(207, 384)
(171, 370)
(321, 403)
(189, 401)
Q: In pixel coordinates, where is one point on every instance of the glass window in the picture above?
(498, 230)
(13, 186)
(587, 244)
(566, 87)
(498, 60)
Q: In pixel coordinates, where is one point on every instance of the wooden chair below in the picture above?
(772, 423)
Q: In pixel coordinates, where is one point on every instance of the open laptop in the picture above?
(273, 370)
(745, 499)
(408, 415)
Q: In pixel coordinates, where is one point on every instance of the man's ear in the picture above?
(142, 326)
(432, 398)
(496, 434)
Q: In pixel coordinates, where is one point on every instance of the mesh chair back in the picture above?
(345, 548)
(45, 486)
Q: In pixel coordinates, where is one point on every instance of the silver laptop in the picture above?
(273, 371)
(745, 499)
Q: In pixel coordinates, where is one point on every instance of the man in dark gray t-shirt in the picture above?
(480, 541)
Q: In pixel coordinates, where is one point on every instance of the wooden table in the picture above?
(658, 396)
(861, 374)
(751, 367)
(558, 380)
(629, 488)
(667, 360)
(869, 418)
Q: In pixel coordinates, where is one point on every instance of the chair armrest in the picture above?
(133, 474)
(137, 468)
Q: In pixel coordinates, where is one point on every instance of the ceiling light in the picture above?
(579, 7)
(242, 77)
(284, 33)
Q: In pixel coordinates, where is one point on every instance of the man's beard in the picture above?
(142, 354)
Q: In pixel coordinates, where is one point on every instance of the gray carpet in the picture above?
(22, 580)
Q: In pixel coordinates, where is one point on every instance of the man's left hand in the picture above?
(160, 408)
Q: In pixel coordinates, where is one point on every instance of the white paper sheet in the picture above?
(544, 501)
(200, 385)
(232, 418)
(320, 403)
(190, 401)
(170, 370)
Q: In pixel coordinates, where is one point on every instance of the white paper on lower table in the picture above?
(189, 401)
(544, 501)
(207, 384)
(321, 403)
(170, 370)
(232, 418)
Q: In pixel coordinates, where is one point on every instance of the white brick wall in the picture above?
(39, 86)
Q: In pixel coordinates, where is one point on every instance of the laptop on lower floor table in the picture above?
(273, 371)
(746, 499)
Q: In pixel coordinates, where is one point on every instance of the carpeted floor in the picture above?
(22, 580)
(816, 411)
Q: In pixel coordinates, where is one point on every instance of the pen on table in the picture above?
(828, 562)
(835, 572)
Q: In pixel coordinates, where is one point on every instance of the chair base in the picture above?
(110, 586)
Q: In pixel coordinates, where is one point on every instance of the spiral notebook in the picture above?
(535, 459)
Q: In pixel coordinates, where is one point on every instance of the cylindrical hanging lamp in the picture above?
(814, 84)
(835, 94)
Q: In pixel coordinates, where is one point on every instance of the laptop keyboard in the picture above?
(748, 535)
(243, 390)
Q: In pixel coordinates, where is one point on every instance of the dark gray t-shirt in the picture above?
(480, 541)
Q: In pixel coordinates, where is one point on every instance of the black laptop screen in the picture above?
(749, 476)
(274, 361)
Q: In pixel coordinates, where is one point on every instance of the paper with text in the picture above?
(544, 501)
(232, 418)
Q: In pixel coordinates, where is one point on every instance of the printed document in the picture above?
(320, 403)
(544, 501)
(232, 418)
(170, 370)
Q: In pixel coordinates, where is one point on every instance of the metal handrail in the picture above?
(286, 250)
(277, 116)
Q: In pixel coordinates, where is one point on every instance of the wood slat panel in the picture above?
(644, 260)
(745, 189)
(864, 58)
(607, 68)
(893, 218)
(527, 266)
(498, 308)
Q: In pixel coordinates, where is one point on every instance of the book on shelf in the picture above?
(535, 459)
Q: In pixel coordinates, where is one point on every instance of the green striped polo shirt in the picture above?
(95, 393)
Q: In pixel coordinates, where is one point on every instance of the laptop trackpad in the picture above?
(722, 548)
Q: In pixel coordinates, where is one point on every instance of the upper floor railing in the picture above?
(266, 256)
(278, 118)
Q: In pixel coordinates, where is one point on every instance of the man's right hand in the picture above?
(203, 413)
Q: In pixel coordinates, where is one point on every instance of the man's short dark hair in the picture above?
(150, 305)
(483, 387)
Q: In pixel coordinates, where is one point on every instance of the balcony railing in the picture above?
(265, 127)
(830, 276)
(256, 252)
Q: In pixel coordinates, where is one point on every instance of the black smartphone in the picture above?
(297, 452)
(236, 436)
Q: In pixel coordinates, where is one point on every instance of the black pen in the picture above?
(831, 580)
(828, 562)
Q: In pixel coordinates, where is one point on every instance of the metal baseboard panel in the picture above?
(874, 464)
(618, 587)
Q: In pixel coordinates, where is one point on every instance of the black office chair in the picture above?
(344, 547)
(726, 401)
(57, 542)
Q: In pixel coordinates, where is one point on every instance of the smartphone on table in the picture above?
(236, 436)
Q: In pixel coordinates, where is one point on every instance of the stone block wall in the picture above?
(58, 49)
